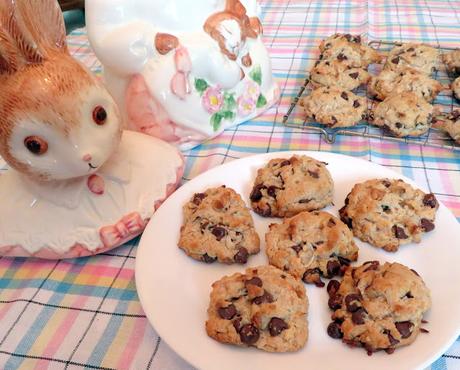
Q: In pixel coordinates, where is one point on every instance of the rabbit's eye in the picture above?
(36, 145)
(99, 115)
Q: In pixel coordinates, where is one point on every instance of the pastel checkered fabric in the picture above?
(85, 313)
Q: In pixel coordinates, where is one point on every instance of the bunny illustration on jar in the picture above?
(183, 70)
(77, 184)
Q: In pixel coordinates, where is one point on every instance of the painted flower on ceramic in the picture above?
(246, 105)
(212, 99)
(252, 90)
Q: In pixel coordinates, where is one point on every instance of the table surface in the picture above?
(85, 313)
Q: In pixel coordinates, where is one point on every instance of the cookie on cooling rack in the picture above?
(348, 49)
(390, 82)
(334, 107)
(310, 245)
(449, 123)
(404, 114)
(265, 308)
(389, 213)
(421, 57)
(336, 73)
(456, 88)
(378, 306)
(218, 226)
(285, 187)
(452, 61)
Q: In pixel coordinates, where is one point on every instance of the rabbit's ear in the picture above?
(32, 28)
(9, 58)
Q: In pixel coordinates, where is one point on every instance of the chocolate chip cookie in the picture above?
(334, 107)
(456, 88)
(406, 79)
(339, 74)
(265, 308)
(450, 123)
(389, 213)
(348, 49)
(218, 226)
(421, 57)
(285, 187)
(404, 114)
(452, 62)
(378, 307)
(310, 245)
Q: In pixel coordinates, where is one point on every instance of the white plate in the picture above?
(174, 289)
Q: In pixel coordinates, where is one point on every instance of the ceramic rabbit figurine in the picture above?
(77, 184)
(182, 70)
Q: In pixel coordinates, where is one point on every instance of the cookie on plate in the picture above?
(218, 226)
(336, 73)
(404, 114)
(348, 49)
(389, 213)
(450, 123)
(334, 107)
(456, 88)
(452, 61)
(390, 82)
(421, 57)
(264, 307)
(285, 187)
(378, 307)
(310, 245)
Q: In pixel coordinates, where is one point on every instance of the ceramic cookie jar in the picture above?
(77, 184)
(182, 70)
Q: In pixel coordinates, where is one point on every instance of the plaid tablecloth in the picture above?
(85, 313)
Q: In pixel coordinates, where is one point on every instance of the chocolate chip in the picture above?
(312, 276)
(276, 326)
(271, 191)
(333, 268)
(354, 75)
(297, 248)
(410, 49)
(426, 225)
(358, 316)
(344, 261)
(341, 57)
(256, 193)
(404, 328)
(254, 281)
(386, 183)
(241, 256)
(313, 174)
(348, 36)
(237, 324)
(423, 330)
(344, 95)
(398, 124)
(304, 201)
(249, 334)
(335, 301)
(415, 272)
(331, 222)
(264, 298)
(393, 340)
(228, 312)
(287, 162)
(385, 208)
(333, 287)
(430, 200)
(408, 295)
(344, 216)
(390, 350)
(219, 232)
(352, 301)
(373, 265)
(399, 232)
(356, 104)
(334, 120)
(334, 330)
(198, 198)
(208, 259)
(395, 60)
(264, 212)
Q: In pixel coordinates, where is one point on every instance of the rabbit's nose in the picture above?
(87, 157)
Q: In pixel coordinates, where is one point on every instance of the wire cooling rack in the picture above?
(445, 102)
